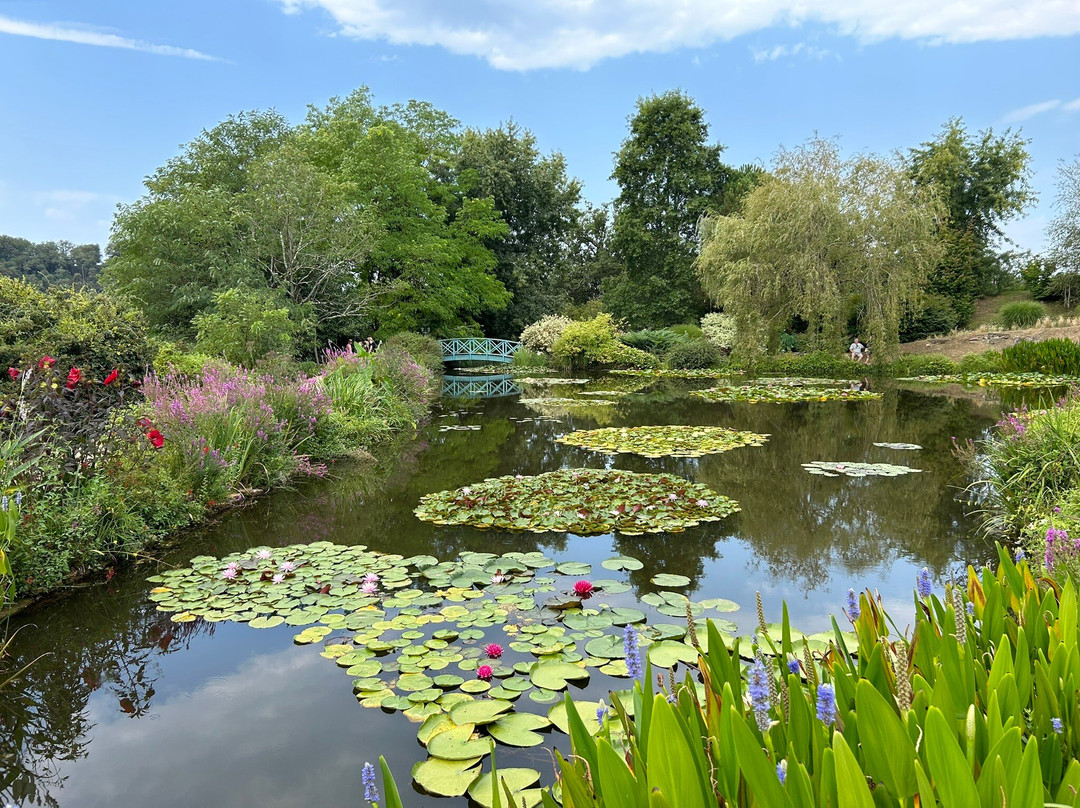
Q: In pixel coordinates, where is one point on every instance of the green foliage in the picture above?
(818, 233)
(985, 362)
(423, 349)
(172, 358)
(693, 354)
(669, 176)
(1063, 233)
(543, 334)
(526, 358)
(719, 329)
(594, 343)
(928, 719)
(922, 365)
(1036, 273)
(817, 365)
(1058, 356)
(931, 315)
(688, 330)
(245, 325)
(85, 329)
(654, 340)
(1022, 314)
(50, 263)
(983, 182)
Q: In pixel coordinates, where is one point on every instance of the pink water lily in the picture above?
(583, 588)
(672, 497)
(371, 578)
(484, 672)
(288, 566)
(278, 579)
(494, 650)
(701, 503)
(229, 574)
(264, 555)
(369, 588)
(232, 565)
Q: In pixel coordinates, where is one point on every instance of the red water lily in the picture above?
(494, 650)
(112, 376)
(73, 378)
(583, 588)
(155, 438)
(13, 373)
(45, 362)
(484, 673)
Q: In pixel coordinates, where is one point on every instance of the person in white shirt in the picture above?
(855, 350)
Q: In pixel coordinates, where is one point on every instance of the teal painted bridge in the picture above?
(478, 349)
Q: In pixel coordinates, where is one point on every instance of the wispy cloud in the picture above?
(69, 205)
(580, 33)
(788, 51)
(83, 36)
(1072, 106)
(1031, 110)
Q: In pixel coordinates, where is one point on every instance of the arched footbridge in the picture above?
(478, 349)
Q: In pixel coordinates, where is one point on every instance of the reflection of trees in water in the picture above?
(107, 640)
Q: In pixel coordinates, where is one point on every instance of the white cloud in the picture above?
(1072, 106)
(66, 205)
(788, 51)
(1031, 110)
(580, 33)
(83, 36)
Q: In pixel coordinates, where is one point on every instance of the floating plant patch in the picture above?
(830, 468)
(565, 403)
(581, 501)
(998, 380)
(903, 446)
(663, 441)
(673, 373)
(459, 428)
(549, 380)
(783, 393)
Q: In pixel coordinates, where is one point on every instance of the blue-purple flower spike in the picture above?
(630, 651)
(1056, 724)
(852, 605)
(793, 665)
(367, 776)
(826, 703)
(781, 771)
(757, 685)
(924, 584)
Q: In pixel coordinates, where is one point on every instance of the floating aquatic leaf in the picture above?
(519, 729)
(675, 373)
(446, 778)
(667, 653)
(663, 441)
(554, 675)
(457, 742)
(479, 712)
(904, 446)
(832, 468)
(998, 380)
(582, 501)
(783, 393)
(517, 780)
(573, 568)
(666, 579)
(622, 563)
(550, 380)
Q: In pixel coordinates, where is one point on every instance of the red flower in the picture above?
(583, 588)
(494, 650)
(73, 378)
(112, 376)
(156, 438)
(484, 673)
(13, 373)
(45, 362)
(145, 422)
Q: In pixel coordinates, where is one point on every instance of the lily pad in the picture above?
(518, 781)
(458, 743)
(909, 447)
(622, 563)
(446, 778)
(668, 653)
(663, 441)
(832, 468)
(554, 675)
(783, 393)
(519, 729)
(479, 712)
(667, 579)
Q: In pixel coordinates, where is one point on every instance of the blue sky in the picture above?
(97, 95)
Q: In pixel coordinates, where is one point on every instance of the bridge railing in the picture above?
(494, 350)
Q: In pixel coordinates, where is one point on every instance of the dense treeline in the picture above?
(263, 235)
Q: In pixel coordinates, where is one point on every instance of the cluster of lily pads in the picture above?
(675, 373)
(555, 403)
(581, 501)
(453, 645)
(663, 441)
(550, 380)
(783, 393)
(908, 447)
(998, 379)
(832, 468)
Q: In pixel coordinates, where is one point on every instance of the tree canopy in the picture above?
(50, 263)
(819, 237)
(1063, 233)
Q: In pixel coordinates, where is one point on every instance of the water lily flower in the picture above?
(672, 497)
(701, 503)
(371, 578)
(466, 491)
(264, 555)
(287, 566)
(583, 588)
(498, 577)
(278, 579)
(494, 650)
(229, 574)
(484, 672)
(232, 565)
(369, 588)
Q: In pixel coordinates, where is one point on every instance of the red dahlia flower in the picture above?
(112, 376)
(156, 438)
(73, 378)
(13, 373)
(45, 362)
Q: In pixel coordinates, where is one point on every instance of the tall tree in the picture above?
(669, 176)
(538, 201)
(983, 182)
(1063, 233)
(50, 263)
(818, 233)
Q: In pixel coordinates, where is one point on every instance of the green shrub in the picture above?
(985, 362)
(656, 341)
(542, 335)
(525, 358)
(1056, 356)
(789, 343)
(245, 325)
(719, 329)
(172, 358)
(1022, 314)
(934, 315)
(694, 355)
(922, 365)
(85, 329)
(594, 343)
(424, 349)
(687, 330)
(820, 364)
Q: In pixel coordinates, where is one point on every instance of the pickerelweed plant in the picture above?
(978, 706)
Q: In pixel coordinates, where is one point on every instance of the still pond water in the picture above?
(130, 709)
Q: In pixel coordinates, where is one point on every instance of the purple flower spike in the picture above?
(826, 703)
(367, 777)
(924, 584)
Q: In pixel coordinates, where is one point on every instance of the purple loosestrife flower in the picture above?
(630, 651)
(757, 685)
(852, 605)
(1057, 725)
(826, 703)
(367, 777)
(923, 583)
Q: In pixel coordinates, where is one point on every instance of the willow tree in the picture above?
(819, 237)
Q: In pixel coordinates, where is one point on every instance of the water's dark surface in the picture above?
(130, 709)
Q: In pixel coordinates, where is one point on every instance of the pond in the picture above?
(128, 708)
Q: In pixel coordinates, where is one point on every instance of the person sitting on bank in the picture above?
(855, 350)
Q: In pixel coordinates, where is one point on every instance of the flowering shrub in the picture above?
(594, 343)
(542, 335)
(719, 330)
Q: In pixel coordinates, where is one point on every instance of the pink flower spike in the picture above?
(229, 574)
(484, 672)
(583, 588)
(494, 650)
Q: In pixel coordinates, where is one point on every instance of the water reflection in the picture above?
(130, 708)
